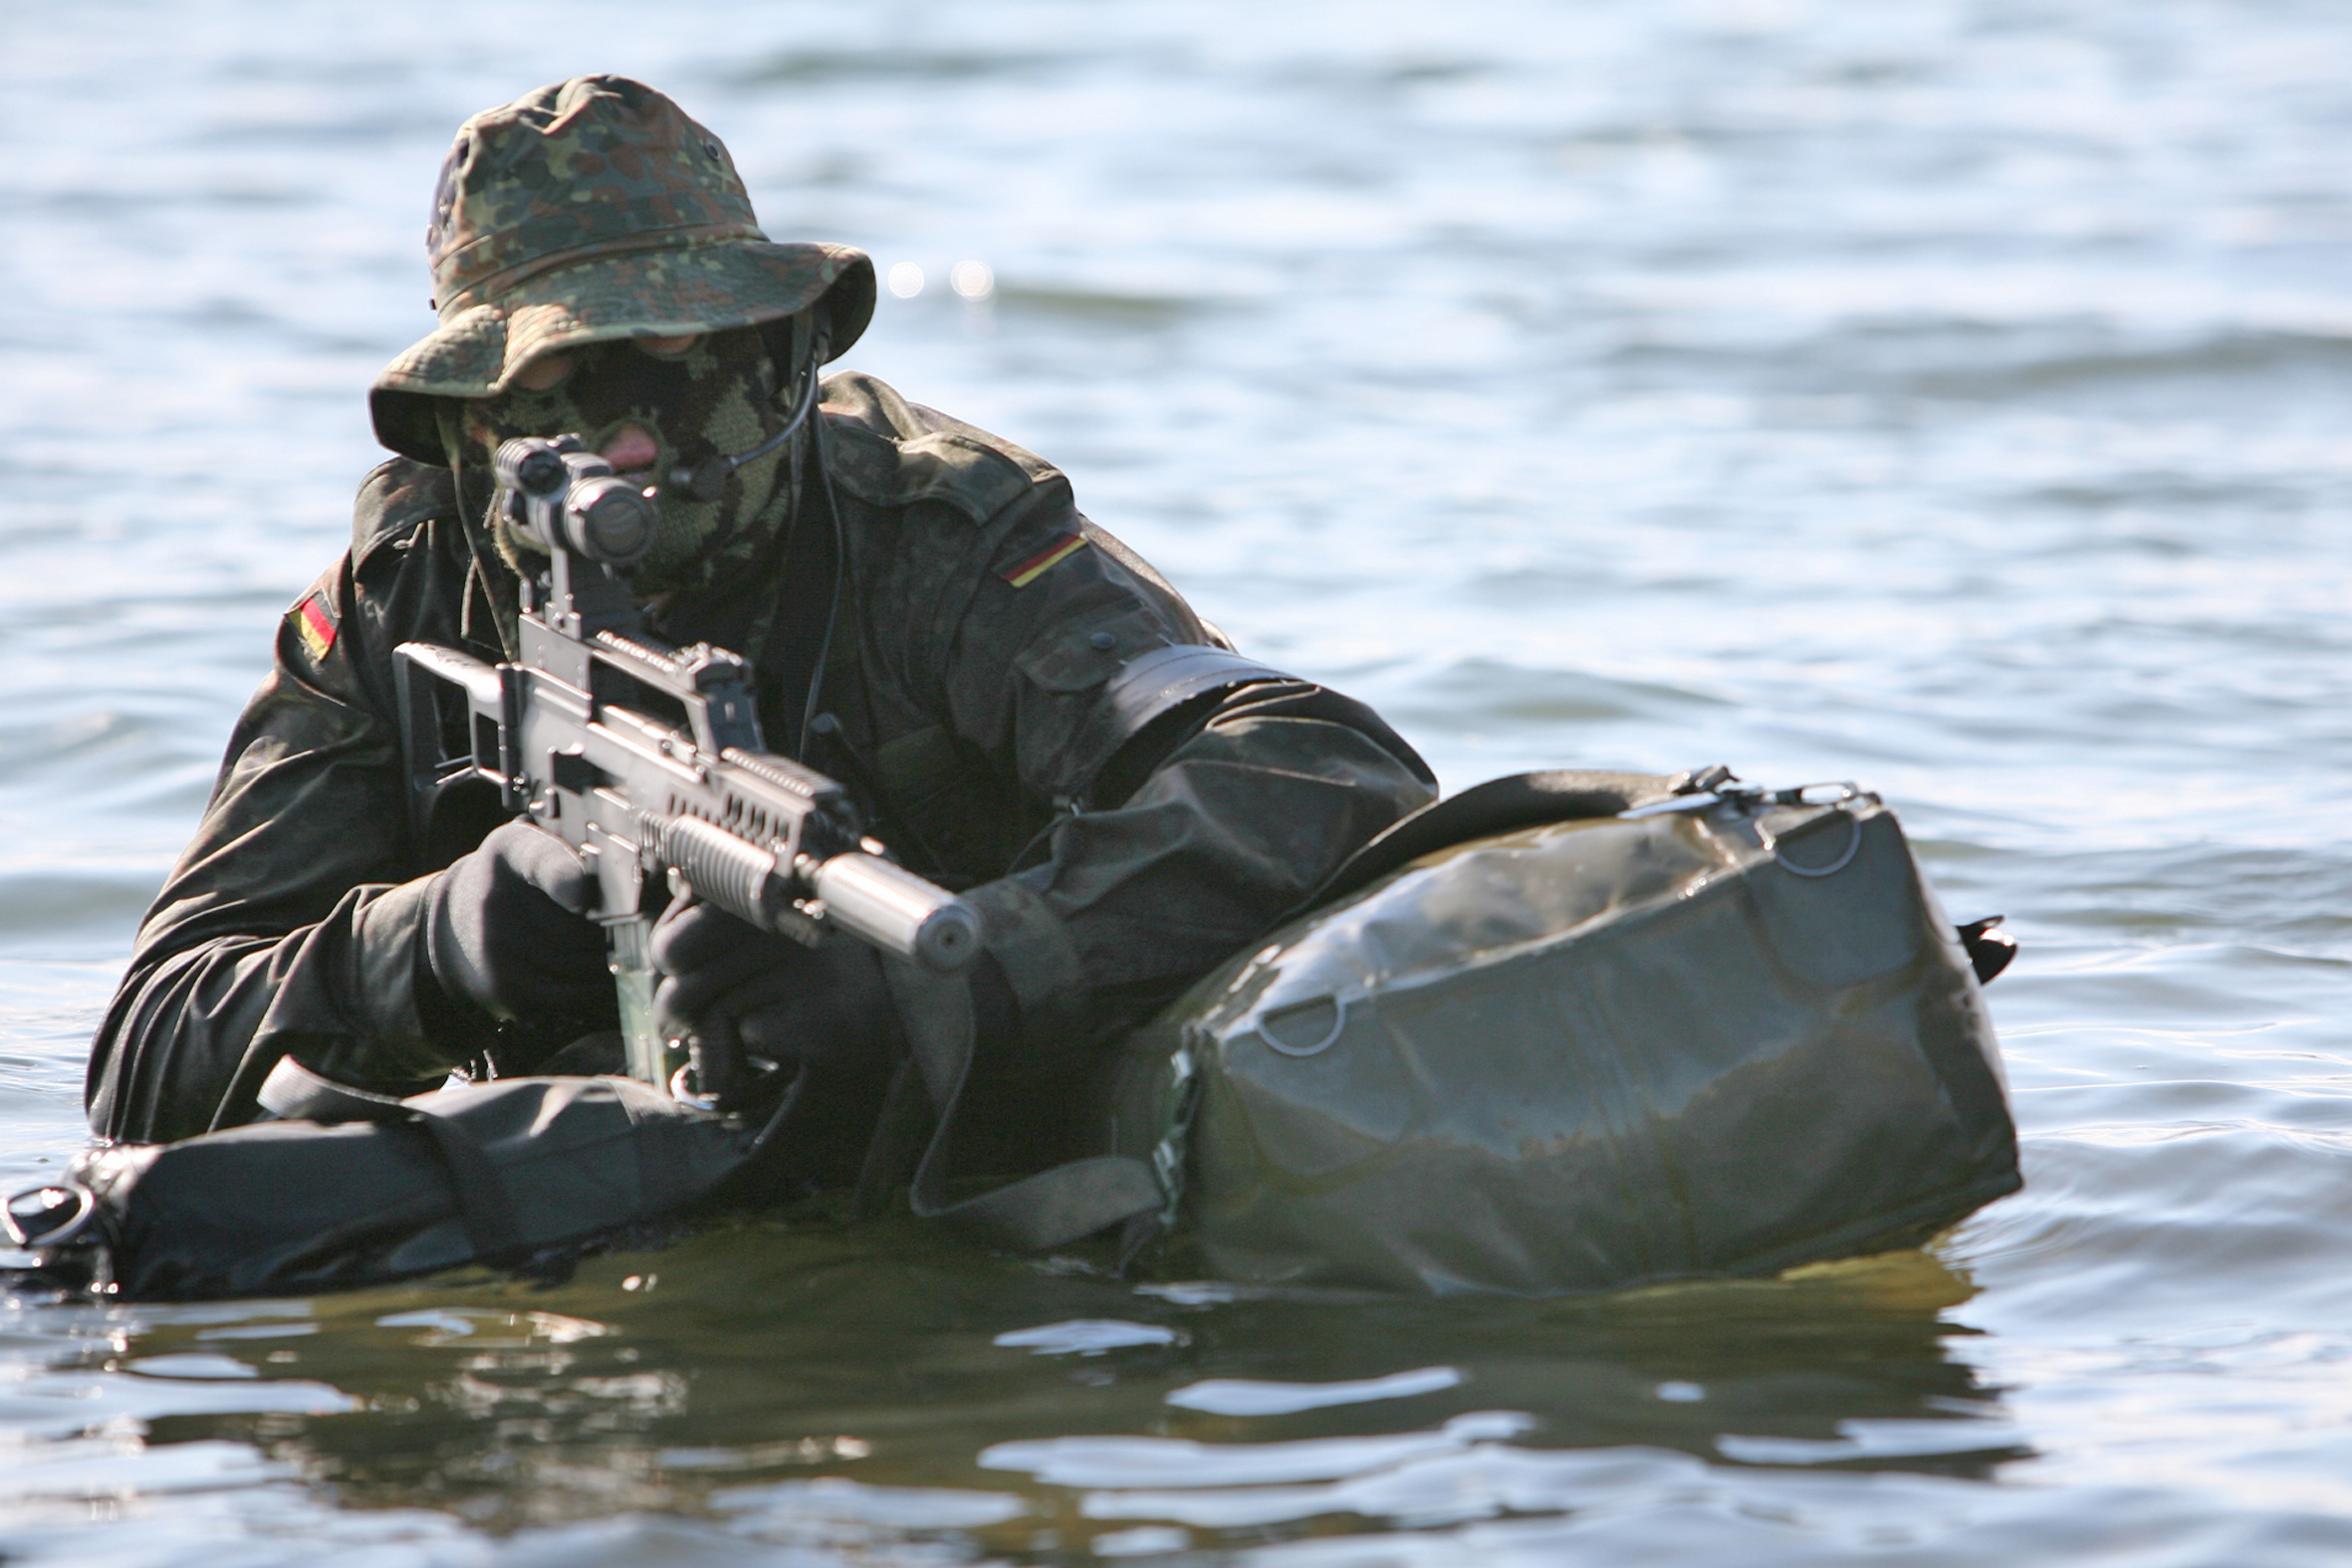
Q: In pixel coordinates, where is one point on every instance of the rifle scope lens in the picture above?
(530, 465)
(610, 521)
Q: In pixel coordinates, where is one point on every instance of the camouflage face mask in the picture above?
(717, 395)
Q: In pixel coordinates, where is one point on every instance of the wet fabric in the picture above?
(953, 705)
(1580, 1057)
(498, 1174)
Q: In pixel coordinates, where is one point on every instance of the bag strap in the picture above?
(1049, 1209)
(485, 1208)
(293, 1093)
(1052, 1207)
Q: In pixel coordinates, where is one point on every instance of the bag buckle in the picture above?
(1704, 788)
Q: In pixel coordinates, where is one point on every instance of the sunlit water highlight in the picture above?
(1950, 396)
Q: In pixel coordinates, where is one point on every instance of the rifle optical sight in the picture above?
(558, 494)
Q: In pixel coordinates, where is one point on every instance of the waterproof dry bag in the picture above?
(1721, 1031)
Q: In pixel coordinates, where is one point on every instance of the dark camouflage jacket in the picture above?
(979, 620)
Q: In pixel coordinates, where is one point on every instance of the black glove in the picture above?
(752, 1004)
(505, 933)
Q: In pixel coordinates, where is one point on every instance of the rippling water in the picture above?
(1949, 396)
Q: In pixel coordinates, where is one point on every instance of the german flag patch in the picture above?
(314, 625)
(1053, 555)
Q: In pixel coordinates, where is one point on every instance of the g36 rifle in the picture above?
(647, 759)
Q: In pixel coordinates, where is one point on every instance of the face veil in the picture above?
(718, 394)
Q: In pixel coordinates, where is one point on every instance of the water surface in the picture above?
(1950, 396)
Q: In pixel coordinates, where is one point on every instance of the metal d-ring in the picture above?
(1338, 1022)
(1854, 847)
(58, 1234)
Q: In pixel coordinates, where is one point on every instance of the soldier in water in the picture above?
(932, 622)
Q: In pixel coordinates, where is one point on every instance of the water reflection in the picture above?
(1947, 394)
(767, 1372)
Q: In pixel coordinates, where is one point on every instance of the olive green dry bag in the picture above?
(1717, 1031)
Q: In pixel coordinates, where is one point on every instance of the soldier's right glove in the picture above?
(754, 1005)
(506, 931)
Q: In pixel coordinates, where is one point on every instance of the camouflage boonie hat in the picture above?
(586, 211)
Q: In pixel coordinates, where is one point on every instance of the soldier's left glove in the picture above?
(754, 1005)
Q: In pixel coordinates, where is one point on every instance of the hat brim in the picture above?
(635, 294)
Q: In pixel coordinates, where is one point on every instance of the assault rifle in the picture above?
(646, 757)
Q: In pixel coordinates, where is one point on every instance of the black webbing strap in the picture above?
(1164, 678)
(1147, 686)
(1049, 1209)
(293, 1093)
(801, 639)
(1052, 1207)
(482, 1204)
(1499, 806)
